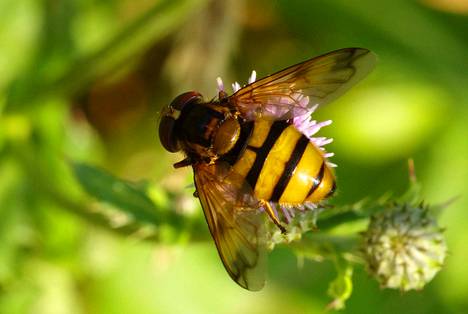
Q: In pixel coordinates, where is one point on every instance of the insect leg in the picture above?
(183, 163)
(272, 215)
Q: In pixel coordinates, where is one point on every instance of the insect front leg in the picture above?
(183, 163)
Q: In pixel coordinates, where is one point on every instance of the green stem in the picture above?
(339, 219)
(149, 28)
(335, 243)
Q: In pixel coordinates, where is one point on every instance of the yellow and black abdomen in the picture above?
(282, 165)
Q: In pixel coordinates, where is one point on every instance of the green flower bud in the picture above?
(403, 247)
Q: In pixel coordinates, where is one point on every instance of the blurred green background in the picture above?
(81, 85)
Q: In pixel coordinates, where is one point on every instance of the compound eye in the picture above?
(166, 134)
(183, 99)
(170, 115)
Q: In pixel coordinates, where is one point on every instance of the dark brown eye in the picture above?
(183, 99)
(170, 115)
(167, 136)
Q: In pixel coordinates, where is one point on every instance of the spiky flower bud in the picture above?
(299, 223)
(403, 246)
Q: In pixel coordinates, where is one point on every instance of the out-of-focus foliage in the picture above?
(95, 220)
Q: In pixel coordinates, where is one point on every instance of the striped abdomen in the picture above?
(281, 164)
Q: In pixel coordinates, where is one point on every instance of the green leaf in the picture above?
(121, 194)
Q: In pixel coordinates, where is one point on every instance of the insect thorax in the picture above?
(207, 130)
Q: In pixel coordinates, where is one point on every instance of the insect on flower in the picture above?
(253, 152)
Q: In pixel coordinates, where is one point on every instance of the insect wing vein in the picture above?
(235, 223)
(295, 90)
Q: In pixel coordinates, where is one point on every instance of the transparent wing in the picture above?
(235, 223)
(295, 90)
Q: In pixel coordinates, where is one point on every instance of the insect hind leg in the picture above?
(269, 210)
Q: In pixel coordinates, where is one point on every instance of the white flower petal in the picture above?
(252, 77)
(220, 84)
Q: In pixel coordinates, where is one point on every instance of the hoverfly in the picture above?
(250, 156)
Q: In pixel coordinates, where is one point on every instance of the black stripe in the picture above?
(317, 180)
(332, 190)
(261, 153)
(233, 155)
(289, 168)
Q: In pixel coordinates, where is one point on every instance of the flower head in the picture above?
(403, 247)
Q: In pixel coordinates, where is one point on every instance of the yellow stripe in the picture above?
(258, 136)
(245, 162)
(324, 187)
(260, 132)
(303, 177)
(275, 162)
